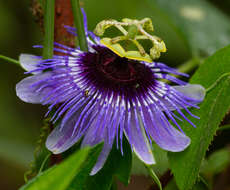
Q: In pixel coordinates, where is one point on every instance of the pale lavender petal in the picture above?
(64, 136)
(93, 137)
(139, 140)
(102, 158)
(28, 61)
(163, 133)
(91, 140)
(28, 92)
(191, 94)
(193, 91)
(174, 141)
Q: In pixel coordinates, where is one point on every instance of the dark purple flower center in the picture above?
(107, 70)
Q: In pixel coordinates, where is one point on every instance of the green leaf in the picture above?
(224, 127)
(205, 27)
(201, 184)
(217, 162)
(117, 165)
(171, 185)
(81, 178)
(159, 168)
(185, 165)
(138, 168)
(162, 163)
(60, 177)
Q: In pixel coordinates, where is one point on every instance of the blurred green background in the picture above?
(190, 28)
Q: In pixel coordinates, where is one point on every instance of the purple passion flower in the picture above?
(100, 96)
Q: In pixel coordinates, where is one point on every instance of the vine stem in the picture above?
(153, 175)
(78, 22)
(49, 29)
(217, 81)
(8, 59)
(44, 162)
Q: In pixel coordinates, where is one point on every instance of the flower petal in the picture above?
(173, 141)
(64, 136)
(28, 61)
(93, 137)
(91, 140)
(102, 158)
(139, 140)
(194, 91)
(27, 91)
(191, 93)
(162, 132)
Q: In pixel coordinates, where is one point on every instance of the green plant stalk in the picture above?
(44, 162)
(49, 29)
(78, 22)
(153, 175)
(8, 59)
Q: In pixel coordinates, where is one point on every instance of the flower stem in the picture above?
(44, 162)
(153, 175)
(8, 59)
(49, 29)
(78, 22)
